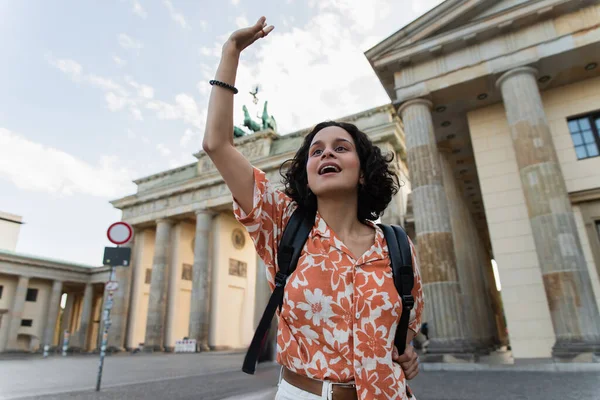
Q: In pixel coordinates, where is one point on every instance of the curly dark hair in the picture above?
(380, 181)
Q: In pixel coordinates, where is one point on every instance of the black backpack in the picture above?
(290, 247)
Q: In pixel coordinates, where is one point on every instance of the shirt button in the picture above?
(357, 315)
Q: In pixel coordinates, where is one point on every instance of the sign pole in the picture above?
(106, 319)
(118, 233)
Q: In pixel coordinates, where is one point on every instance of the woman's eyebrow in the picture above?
(335, 140)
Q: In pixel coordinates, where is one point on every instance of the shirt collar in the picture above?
(377, 252)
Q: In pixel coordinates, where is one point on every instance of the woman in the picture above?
(337, 324)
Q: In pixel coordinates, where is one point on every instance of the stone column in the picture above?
(566, 279)
(201, 282)
(157, 302)
(173, 288)
(16, 313)
(65, 322)
(434, 232)
(137, 280)
(118, 314)
(52, 313)
(84, 322)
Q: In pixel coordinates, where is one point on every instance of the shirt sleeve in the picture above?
(271, 211)
(417, 293)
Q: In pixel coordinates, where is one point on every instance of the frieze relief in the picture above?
(188, 198)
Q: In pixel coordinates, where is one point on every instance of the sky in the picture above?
(95, 94)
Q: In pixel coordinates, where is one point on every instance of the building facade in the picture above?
(500, 101)
(495, 124)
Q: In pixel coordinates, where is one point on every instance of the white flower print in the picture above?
(317, 307)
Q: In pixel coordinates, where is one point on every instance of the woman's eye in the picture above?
(316, 152)
(340, 148)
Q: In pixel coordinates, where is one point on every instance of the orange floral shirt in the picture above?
(339, 314)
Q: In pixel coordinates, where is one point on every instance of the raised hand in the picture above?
(244, 37)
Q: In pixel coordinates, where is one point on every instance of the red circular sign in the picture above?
(119, 233)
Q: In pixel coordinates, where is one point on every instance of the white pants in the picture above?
(287, 391)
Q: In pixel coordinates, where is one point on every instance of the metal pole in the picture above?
(106, 319)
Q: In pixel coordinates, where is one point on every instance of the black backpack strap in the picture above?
(288, 252)
(402, 269)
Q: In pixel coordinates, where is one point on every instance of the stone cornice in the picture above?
(163, 173)
(19, 258)
(491, 24)
(35, 268)
(420, 26)
(585, 195)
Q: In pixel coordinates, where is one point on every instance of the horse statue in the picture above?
(238, 132)
(268, 121)
(249, 122)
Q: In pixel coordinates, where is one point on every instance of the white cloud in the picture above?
(119, 61)
(235, 2)
(131, 134)
(118, 98)
(139, 10)
(115, 102)
(127, 42)
(106, 84)
(70, 67)
(163, 150)
(175, 15)
(144, 91)
(185, 108)
(204, 88)
(242, 22)
(35, 167)
(187, 137)
(203, 25)
(136, 113)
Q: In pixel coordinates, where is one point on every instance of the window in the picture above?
(584, 132)
(1, 289)
(186, 272)
(26, 322)
(148, 275)
(31, 295)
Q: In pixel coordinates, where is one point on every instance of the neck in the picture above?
(340, 213)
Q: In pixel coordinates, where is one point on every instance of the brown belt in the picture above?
(340, 391)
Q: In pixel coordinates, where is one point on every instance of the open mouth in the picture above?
(329, 169)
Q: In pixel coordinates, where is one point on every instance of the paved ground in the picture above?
(213, 376)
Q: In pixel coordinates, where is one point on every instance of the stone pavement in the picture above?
(217, 376)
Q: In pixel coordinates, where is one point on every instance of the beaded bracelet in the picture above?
(224, 85)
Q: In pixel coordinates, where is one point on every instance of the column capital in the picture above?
(516, 71)
(165, 221)
(205, 211)
(413, 102)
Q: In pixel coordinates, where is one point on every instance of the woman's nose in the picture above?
(327, 153)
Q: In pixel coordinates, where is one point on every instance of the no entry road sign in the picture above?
(119, 233)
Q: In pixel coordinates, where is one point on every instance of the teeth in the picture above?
(329, 168)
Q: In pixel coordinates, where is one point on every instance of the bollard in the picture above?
(65, 344)
(46, 348)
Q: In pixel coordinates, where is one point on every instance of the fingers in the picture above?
(260, 23)
(263, 32)
(409, 361)
(413, 371)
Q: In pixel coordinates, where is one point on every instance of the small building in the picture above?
(31, 289)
